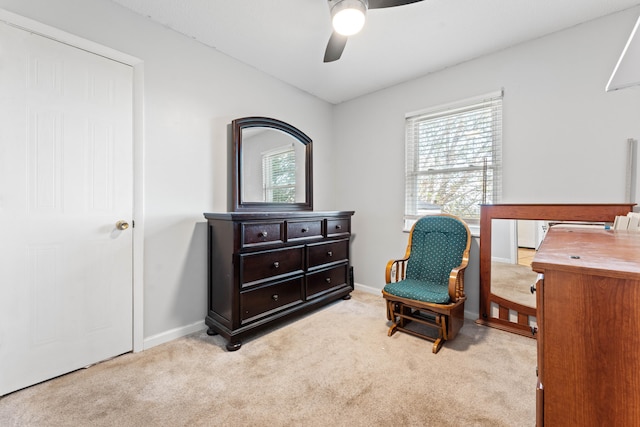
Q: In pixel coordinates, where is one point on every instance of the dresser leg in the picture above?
(234, 346)
(346, 297)
(211, 332)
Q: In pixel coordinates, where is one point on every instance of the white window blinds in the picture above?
(453, 159)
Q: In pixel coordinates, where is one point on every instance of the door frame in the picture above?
(138, 148)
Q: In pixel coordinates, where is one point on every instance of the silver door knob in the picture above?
(122, 225)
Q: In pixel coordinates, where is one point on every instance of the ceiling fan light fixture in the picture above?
(348, 16)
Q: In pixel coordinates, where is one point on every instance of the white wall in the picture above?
(564, 137)
(191, 93)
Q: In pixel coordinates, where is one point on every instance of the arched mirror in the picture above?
(272, 166)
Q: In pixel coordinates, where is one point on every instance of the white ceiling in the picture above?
(287, 38)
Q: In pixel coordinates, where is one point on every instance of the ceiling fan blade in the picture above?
(379, 4)
(336, 45)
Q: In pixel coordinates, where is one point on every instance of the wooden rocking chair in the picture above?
(427, 285)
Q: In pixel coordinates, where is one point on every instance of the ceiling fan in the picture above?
(348, 18)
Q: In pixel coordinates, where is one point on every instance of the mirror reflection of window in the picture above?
(273, 168)
(279, 175)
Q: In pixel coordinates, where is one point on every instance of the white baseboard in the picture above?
(471, 315)
(172, 334)
(367, 289)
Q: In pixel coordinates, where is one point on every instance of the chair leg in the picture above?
(441, 321)
(390, 315)
(437, 345)
(401, 315)
(393, 329)
(395, 311)
(455, 322)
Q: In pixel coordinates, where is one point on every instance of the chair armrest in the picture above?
(396, 270)
(456, 284)
(456, 279)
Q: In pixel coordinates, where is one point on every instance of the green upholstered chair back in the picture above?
(437, 246)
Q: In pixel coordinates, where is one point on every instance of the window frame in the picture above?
(493, 100)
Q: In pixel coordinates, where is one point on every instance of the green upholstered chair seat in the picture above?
(420, 290)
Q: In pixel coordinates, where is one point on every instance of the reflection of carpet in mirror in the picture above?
(513, 282)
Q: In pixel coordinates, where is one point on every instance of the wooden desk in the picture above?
(588, 312)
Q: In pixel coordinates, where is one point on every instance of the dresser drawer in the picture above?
(260, 266)
(262, 301)
(325, 280)
(324, 253)
(253, 234)
(338, 227)
(311, 229)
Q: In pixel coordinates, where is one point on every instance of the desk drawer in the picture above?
(262, 301)
(259, 266)
(325, 280)
(324, 253)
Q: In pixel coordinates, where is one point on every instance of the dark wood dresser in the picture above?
(588, 312)
(268, 266)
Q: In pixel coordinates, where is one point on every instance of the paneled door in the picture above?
(66, 207)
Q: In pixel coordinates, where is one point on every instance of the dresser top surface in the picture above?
(245, 216)
(596, 251)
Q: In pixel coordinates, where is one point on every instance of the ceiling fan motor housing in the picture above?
(348, 16)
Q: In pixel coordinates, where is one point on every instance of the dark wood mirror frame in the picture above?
(548, 212)
(237, 204)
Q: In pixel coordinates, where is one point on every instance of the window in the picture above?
(453, 159)
(279, 175)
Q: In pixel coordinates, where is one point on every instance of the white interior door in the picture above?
(66, 178)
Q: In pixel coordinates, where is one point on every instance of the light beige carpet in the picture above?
(333, 367)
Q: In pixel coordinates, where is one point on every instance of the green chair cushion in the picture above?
(419, 290)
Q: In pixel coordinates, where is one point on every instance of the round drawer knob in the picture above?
(276, 264)
(263, 234)
(274, 297)
(329, 254)
(328, 280)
